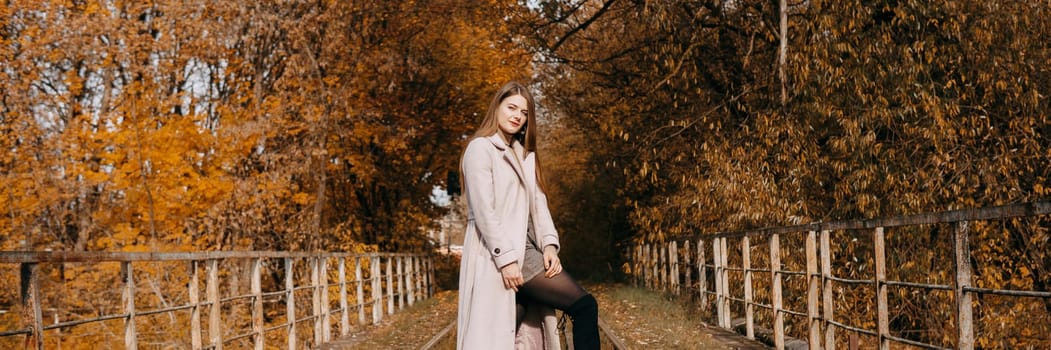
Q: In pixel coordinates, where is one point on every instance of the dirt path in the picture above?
(407, 329)
(641, 319)
(647, 320)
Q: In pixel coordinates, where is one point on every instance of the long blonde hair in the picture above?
(527, 136)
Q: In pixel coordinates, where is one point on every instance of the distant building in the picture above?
(449, 236)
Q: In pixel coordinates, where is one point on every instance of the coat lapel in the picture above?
(509, 156)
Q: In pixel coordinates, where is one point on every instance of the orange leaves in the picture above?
(302, 198)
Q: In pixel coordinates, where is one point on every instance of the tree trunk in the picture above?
(783, 52)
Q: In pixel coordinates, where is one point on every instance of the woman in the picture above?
(508, 223)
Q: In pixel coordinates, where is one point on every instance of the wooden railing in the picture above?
(664, 266)
(391, 278)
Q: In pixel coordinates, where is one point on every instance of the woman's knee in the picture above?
(586, 305)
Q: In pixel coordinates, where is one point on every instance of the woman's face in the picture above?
(512, 114)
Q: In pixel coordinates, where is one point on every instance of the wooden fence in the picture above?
(664, 266)
(391, 278)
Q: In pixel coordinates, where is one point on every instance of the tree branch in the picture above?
(605, 7)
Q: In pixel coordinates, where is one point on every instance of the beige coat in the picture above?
(500, 192)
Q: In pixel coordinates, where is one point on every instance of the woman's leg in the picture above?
(563, 293)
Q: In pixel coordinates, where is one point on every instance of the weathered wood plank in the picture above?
(687, 253)
(377, 294)
(964, 314)
(826, 291)
(128, 278)
(390, 286)
(746, 265)
(882, 313)
(702, 279)
(775, 292)
(344, 314)
(257, 303)
(673, 262)
(725, 275)
(315, 281)
(326, 316)
(14, 257)
(195, 312)
(719, 295)
(360, 291)
(813, 292)
(30, 290)
(402, 278)
(290, 302)
(976, 214)
(215, 333)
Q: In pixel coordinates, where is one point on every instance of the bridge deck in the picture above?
(626, 313)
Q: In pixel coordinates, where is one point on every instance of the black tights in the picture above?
(563, 293)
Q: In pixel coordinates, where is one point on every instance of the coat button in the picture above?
(496, 251)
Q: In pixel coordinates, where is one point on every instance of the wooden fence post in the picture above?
(965, 340)
(416, 278)
(813, 282)
(344, 315)
(828, 307)
(419, 285)
(257, 302)
(746, 265)
(390, 286)
(726, 283)
(644, 270)
(689, 268)
(401, 283)
(315, 282)
(425, 273)
(645, 266)
(128, 277)
(717, 254)
(641, 268)
(290, 302)
(360, 291)
(658, 257)
(326, 314)
(215, 309)
(412, 279)
(673, 261)
(195, 311)
(775, 293)
(635, 265)
(882, 314)
(663, 267)
(655, 266)
(702, 275)
(30, 288)
(377, 292)
(429, 284)
(655, 256)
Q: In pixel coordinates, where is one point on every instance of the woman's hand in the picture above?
(512, 276)
(552, 265)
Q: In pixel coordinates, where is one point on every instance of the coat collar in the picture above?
(497, 141)
(510, 154)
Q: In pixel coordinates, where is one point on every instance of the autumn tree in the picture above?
(241, 125)
(262, 125)
(889, 108)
